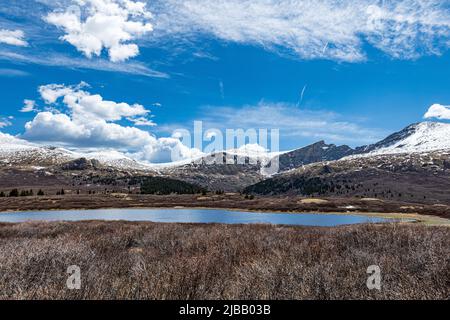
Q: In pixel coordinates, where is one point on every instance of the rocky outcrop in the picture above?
(316, 152)
(80, 164)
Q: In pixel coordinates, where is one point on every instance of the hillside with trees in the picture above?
(165, 186)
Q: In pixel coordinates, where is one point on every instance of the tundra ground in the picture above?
(125, 260)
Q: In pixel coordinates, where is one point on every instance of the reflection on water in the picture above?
(192, 216)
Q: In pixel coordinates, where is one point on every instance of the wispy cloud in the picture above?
(306, 29)
(293, 122)
(205, 55)
(45, 46)
(13, 37)
(311, 29)
(60, 60)
(222, 89)
(302, 95)
(5, 122)
(5, 72)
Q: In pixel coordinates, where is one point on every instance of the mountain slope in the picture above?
(223, 171)
(416, 177)
(415, 154)
(17, 152)
(412, 164)
(316, 152)
(416, 138)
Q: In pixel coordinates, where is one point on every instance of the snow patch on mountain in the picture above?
(9, 144)
(423, 137)
(254, 151)
(15, 151)
(417, 138)
(115, 159)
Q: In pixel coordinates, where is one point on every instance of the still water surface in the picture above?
(192, 216)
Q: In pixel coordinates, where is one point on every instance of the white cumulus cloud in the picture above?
(78, 119)
(438, 111)
(94, 25)
(28, 106)
(87, 106)
(13, 37)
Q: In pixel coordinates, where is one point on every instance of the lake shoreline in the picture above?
(415, 218)
(379, 209)
(200, 216)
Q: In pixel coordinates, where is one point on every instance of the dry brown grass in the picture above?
(308, 201)
(124, 260)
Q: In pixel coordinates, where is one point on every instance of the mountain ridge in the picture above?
(412, 164)
(417, 137)
(231, 170)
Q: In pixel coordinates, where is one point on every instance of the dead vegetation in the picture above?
(125, 260)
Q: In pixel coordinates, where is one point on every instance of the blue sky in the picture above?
(349, 73)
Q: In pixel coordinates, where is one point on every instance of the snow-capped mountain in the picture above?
(253, 151)
(18, 152)
(412, 164)
(115, 159)
(417, 138)
(9, 143)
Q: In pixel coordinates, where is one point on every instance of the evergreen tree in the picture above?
(165, 186)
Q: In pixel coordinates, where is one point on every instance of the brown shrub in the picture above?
(125, 260)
